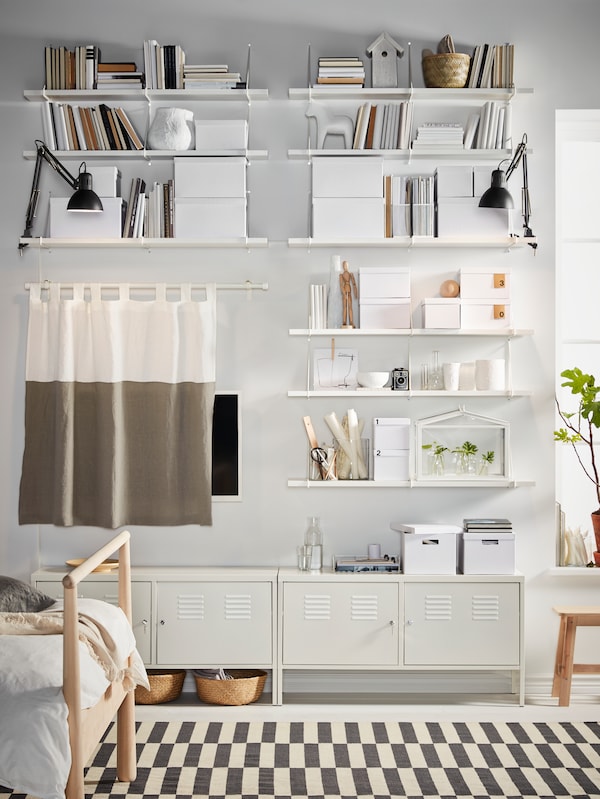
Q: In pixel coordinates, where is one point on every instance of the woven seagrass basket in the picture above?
(165, 686)
(445, 70)
(245, 687)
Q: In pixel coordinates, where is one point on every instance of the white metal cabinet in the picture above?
(465, 624)
(347, 623)
(214, 623)
(107, 590)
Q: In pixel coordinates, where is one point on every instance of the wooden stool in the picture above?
(571, 617)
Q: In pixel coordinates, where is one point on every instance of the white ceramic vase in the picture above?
(171, 129)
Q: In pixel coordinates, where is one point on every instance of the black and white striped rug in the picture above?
(365, 760)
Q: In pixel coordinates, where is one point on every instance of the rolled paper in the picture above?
(336, 428)
(359, 469)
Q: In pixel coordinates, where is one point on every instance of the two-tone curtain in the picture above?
(118, 406)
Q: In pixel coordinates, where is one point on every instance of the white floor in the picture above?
(428, 707)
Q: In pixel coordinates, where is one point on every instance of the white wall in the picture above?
(256, 354)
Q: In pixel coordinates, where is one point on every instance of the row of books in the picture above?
(492, 67)
(383, 127)
(439, 135)
(340, 71)
(409, 205)
(490, 128)
(151, 214)
(74, 127)
(82, 68)
(163, 65)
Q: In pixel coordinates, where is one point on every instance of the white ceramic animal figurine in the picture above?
(331, 124)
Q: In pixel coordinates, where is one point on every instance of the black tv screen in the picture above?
(226, 446)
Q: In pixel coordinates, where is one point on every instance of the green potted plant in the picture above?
(580, 426)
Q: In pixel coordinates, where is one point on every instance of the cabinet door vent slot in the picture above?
(238, 606)
(190, 607)
(438, 607)
(317, 606)
(364, 608)
(112, 599)
(485, 608)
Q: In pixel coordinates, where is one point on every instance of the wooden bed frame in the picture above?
(87, 726)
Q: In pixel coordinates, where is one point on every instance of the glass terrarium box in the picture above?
(462, 445)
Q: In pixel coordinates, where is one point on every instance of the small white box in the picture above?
(391, 465)
(346, 176)
(347, 218)
(73, 225)
(487, 553)
(428, 548)
(106, 180)
(441, 312)
(381, 282)
(210, 218)
(391, 433)
(464, 217)
(453, 181)
(204, 176)
(384, 314)
(479, 284)
(221, 134)
(484, 314)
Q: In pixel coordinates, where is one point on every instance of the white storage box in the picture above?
(484, 284)
(441, 312)
(384, 314)
(487, 553)
(428, 548)
(391, 433)
(463, 217)
(221, 134)
(391, 464)
(484, 314)
(210, 218)
(383, 282)
(453, 181)
(74, 225)
(210, 177)
(106, 180)
(345, 176)
(347, 217)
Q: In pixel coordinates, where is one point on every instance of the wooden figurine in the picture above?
(384, 52)
(348, 288)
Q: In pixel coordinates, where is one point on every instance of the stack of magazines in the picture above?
(385, 564)
(487, 526)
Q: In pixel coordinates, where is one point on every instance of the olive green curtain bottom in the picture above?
(114, 454)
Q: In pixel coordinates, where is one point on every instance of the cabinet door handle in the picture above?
(144, 623)
(162, 622)
(409, 622)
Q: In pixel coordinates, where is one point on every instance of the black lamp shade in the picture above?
(84, 198)
(497, 196)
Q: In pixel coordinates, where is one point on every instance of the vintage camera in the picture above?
(399, 379)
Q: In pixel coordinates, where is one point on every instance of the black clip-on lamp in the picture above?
(498, 196)
(84, 199)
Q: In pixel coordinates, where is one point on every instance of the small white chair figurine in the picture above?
(331, 124)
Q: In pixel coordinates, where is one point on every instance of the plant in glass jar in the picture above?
(465, 458)
(487, 458)
(579, 427)
(436, 452)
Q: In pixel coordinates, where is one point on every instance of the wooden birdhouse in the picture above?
(384, 52)
(462, 446)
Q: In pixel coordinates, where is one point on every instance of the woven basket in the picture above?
(445, 70)
(165, 686)
(245, 687)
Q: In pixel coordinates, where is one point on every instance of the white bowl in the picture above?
(372, 379)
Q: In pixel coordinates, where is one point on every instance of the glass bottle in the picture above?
(436, 378)
(314, 538)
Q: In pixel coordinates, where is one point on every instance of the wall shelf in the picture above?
(148, 95)
(141, 243)
(388, 393)
(449, 483)
(420, 95)
(509, 332)
(148, 155)
(425, 242)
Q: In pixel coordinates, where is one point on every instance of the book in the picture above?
(136, 142)
(371, 128)
(117, 66)
(340, 80)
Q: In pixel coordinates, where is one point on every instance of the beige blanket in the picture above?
(91, 631)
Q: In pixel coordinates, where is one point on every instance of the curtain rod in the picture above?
(246, 286)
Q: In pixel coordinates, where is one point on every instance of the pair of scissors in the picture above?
(319, 455)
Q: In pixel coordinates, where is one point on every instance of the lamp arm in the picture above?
(44, 154)
(518, 156)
